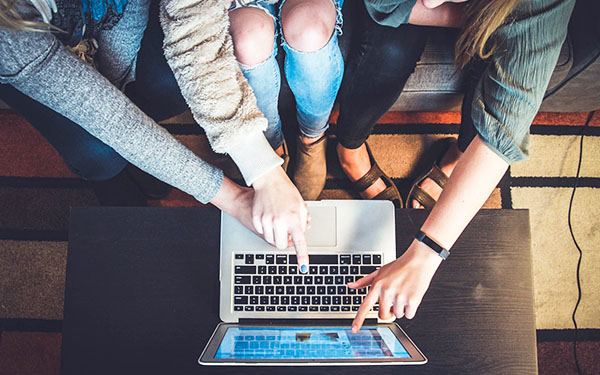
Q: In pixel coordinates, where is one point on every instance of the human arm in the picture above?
(403, 283)
(506, 99)
(446, 15)
(199, 50)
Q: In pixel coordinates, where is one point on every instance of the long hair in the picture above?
(10, 19)
(483, 17)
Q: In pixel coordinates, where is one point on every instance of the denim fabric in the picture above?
(379, 64)
(314, 79)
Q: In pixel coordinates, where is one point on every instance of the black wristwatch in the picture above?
(422, 237)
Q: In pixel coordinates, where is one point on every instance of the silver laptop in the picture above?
(265, 301)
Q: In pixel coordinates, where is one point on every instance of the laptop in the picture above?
(274, 315)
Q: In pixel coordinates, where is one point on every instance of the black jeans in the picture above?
(379, 63)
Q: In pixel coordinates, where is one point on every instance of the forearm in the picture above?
(445, 15)
(476, 175)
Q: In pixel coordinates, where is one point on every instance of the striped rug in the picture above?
(37, 189)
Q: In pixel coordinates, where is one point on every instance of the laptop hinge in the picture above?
(302, 322)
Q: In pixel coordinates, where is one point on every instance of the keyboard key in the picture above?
(353, 270)
(287, 280)
(376, 308)
(313, 308)
(308, 280)
(336, 300)
(267, 280)
(279, 290)
(355, 308)
(295, 300)
(238, 289)
(274, 300)
(292, 308)
(281, 259)
(305, 300)
(310, 289)
(262, 270)
(356, 259)
(345, 308)
(249, 259)
(344, 270)
(348, 279)
(365, 270)
(259, 289)
(366, 259)
(300, 289)
(272, 270)
(331, 290)
(326, 300)
(270, 308)
(302, 308)
(362, 291)
(277, 279)
(339, 280)
(269, 289)
(242, 279)
(341, 289)
(323, 270)
(270, 259)
(259, 308)
(293, 270)
(254, 300)
(285, 300)
(333, 270)
(321, 290)
(318, 280)
(244, 270)
(298, 280)
(357, 300)
(283, 270)
(335, 308)
(290, 289)
(240, 300)
(256, 279)
(239, 256)
(328, 280)
(324, 308)
(264, 300)
(281, 308)
(376, 259)
(316, 300)
(351, 291)
(345, 259)
(313, 270)
(347, 300)
(238, 308)
(249, 289)
(260, 256)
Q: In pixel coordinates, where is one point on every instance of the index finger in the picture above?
(364, 309)
(299, 240)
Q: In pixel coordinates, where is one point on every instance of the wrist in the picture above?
(271, 177)
(424, 254)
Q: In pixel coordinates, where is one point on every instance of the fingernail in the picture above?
(354, 329)
(304, 268)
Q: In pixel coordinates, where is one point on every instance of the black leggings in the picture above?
(379, 63)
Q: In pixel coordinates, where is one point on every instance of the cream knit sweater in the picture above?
(199, 50)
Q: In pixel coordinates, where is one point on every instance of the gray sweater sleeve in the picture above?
(511, 90)
(36, 64)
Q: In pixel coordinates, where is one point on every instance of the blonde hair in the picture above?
(483, 18)
(10, 19)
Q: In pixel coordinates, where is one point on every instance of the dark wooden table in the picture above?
(142, 294)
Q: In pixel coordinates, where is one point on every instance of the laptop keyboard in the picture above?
(272, 282)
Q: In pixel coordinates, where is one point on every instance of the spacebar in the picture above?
(317, 259)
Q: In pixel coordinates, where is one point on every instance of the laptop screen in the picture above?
(260, 343)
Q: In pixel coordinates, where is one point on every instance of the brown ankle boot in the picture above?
(311, 168)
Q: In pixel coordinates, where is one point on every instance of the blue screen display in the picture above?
(309, 343)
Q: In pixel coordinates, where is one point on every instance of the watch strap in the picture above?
(424, 238)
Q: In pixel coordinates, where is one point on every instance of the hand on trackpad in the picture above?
(323, 225)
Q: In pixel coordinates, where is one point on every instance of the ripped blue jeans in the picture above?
(313, 77)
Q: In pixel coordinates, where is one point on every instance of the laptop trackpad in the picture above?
(322, 232)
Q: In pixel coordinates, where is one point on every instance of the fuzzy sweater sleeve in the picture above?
(199, 50)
